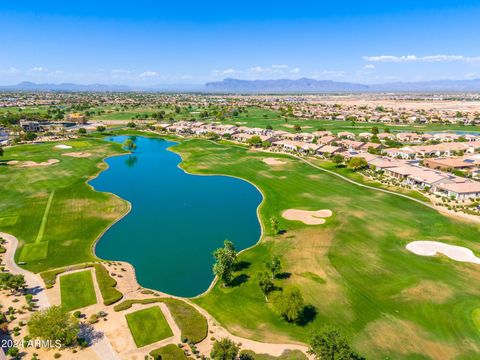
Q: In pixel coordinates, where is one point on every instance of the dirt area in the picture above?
(78, 154)
(33, 163)
(273, 161)
(307, 217)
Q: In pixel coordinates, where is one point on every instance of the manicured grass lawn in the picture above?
(288, 355)
(354, 269)
(106, 283)
(256, 117)
(51, 209)
(148, 326)
(169, 352)
(77, 290)
(192, 324)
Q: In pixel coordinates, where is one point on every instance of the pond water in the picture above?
(177, 219)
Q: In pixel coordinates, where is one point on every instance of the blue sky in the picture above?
(152, 42)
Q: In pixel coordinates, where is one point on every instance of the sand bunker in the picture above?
(78, 154)
(45, 163)
(431, 248)
(61, 146)
(12, 162)
(273, 161)
(306, 216)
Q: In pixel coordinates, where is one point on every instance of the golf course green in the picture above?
(353, 271)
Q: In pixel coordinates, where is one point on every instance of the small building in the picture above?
(30, 126)
(77, 118)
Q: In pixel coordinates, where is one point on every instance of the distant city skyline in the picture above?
(145, 43)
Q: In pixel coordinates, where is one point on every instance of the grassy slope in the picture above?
(25, 193)
(148, 326)
(354, 269)
(289, 355)
(77, 290)
(169, 352)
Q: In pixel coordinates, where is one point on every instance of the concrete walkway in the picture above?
(35, 285)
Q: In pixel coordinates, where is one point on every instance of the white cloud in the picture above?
(415, 58)
(39, 69)
(148, 74)
(369, 66)
(280, 66)
(295, 71)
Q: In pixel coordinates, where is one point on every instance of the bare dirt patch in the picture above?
(35, 164)
(273, 161)
(427, 290)
(306, 216)
(400, 336)
(78, 154)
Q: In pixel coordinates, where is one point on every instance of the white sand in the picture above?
(61, 146)
(273, 161)
(431, 248)
(78, 154)
(45, 163)
(306, 216)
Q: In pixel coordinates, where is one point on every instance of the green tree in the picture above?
(289, 304)
(12, 282)
(274, 224)
(13, 352)
(274, 266)
(254, 141)
(1, 151)
(357, 163)
(225, 260)
(82, 131)
(297, 127)
(29, 136)
(132, 125)
(130, 145)
(54, 323)
(264, 282)
(337, 159)
(224, 349)
(375, 130)
(328, 343)
(101, 128)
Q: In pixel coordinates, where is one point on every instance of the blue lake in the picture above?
(177, 219)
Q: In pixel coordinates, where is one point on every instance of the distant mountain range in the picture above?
(230, 85)
(318, 86)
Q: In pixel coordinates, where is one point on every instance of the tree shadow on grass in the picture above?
(283, 276)
(309, 313)
(242, 265)
(239, 280)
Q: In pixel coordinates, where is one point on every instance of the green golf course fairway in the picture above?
(77, 290)
(51, 210)
(354, 269)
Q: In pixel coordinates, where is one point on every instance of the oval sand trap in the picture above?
(273, 161)
(306, 216)
(431, 248)
(61, 146)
